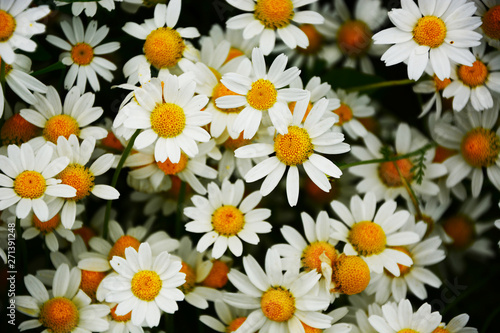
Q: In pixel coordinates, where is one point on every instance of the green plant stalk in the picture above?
(380, 85)
(411, 193)
(50, 68)
(180, 207)
(2, 72)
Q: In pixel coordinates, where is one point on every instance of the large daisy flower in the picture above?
(297, 147)
(262, 93)
(372, 235)
(280, 302)
(269, 17)
(434, 31)
(226, 219)
(82, 53)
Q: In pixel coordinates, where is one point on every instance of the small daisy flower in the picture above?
(82, 53)
(489, 11)
(433, 86)
(263, 93)
(273, 16)
(66, 309)
(227, 219)
(231, 318)
(58, 120)
(372, 235)
(90, 7)
(317, 91)
(456, 325)
(18, 26)
(299, 146)
(432, 31)
(279, 302)
(29, 180)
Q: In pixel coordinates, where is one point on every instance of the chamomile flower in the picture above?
(271, 17)
(262, 94)
(29, 180)
(489, 11)
(18, 26)
(57, 120)
(227, 219)
(15, 130)
(239, 45)
(90, 7)
(317, 91)
(372, 236)
(144, 285)
(432, 31)
(82, 51)
(122, 324)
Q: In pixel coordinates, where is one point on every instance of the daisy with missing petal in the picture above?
(269, 17)
(489, 11)
(297, 147)
(29, 180)
(435, 31)
(82, 53)
(372, 235)
(262, 93)
(456, 325)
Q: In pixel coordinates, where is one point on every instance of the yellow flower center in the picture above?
(442, 154)
(190, 283)
(491, 22)
(235, 324)
(80, 178)
(82, 54)
(480, 147)
(440, 85)
(146, 285)
(295, 147)
(234, 144)
(48, 226)
(16, 130)
(7, 27)
(407, 330)
(274, 14)
(170, 168)
(90, 282)
(309, 329)
(30, 184)
(217, 278)
(310, 255)
(367, 238)
(345, 114)
(164, 47)
(262, 95)
(278, 304)
(117, 318)
(354, 38)
(228, 220)
(233, 53)
(292, 105)
(316, 40)
(221, 90)
(429, 31)
(168, 120)
(441, 330)
(121, 244)
(402, 268)
(461, 229)
(389, 175)
(474, 75)
(59, 315)
(351, 274)
(111, 142)
(60, 125)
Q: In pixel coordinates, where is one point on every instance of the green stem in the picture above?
(180, 206)
(114, 180)
(22, 245)
(2, 72)
(53, 67)
(410, 191)
(381, 85)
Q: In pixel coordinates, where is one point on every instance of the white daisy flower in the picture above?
(456, 325)
(263, 93)
(488, 10)
(372, 235)
(279, 302)
(29, 180)
(82, 51)
(227, 219)
(18, 26)
(231, 318)
(432, 31)
(66, 309)
(269, 17)
(317, 91)
(63, 120)
(144, 285)
(297, 147)
(90, 7)
(122, 324)
(239, 45)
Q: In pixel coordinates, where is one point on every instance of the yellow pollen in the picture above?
(82, 54)
(354, 38)
(461, 229)
(86, 233)
(351, 274)
(217, 278)
(491, 22)
(235, 324)
(440, 85)
(316, 40)
(7, 27)
(407, 330)
(190, 283)
(474, 75)
(429, 31)
(442, 154)
(30, 184)
(168, 120)
(310, 255)
(228, 221)
(441, 330)
(90, 282)
(48, 226)
(367, 238)
(345, 114)
(291, 106)
(233, 53)
(274, 14)
(293, 148)
(60, 125)
(221, 90)
(146, 285)
(164, 47)
(309, 329)
(170, 168)
(389, 174)
(262, 95)
(123, 318)
(278, 304)
(480, 147)
(234, 144)
(16, 130)
(402, 268)
(112, 142)
(80, 178)
(121, 244)
(59, 315)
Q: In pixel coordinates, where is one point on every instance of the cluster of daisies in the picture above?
(295, 207)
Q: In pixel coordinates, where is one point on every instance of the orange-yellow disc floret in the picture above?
(30, 184)
(491, 22)
(274, 14)
(59, 315)
(480, 147)
(48, 226)
(7, 27)
(112, 142)
(82, 54)
(309, 329)
(164, 47)
(235, 324)
(233, 53)
(278, 304)
(351, 274)
(60, 125)
(80, 178)
(121, 244)
(389, 175)
(90, 282)
(310, 256)
(17, 130)
(146, 285)
(221, 90)
(124, 318)
(316, 40)
(354, 38)
(367, 238)
(190, 283)
(228, 221)
(461, 229)
(217, 278)
(429, 31)
(262, 95)
(442, 154)
(440, 84)
(441, 330)
(292, 105)
(295, 147)
(474, 75)
(345, 114)
(168, 120)
(170, 168)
